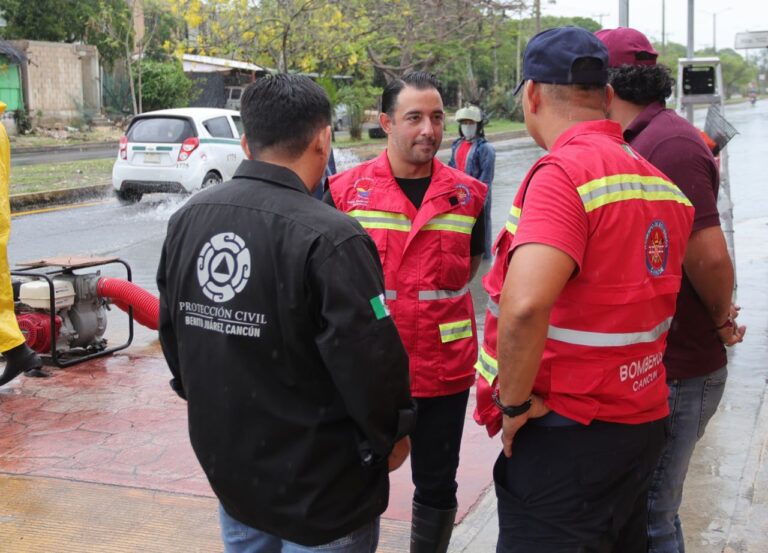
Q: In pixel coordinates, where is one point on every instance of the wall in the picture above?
(54, 80)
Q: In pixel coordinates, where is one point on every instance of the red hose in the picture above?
(124, 294)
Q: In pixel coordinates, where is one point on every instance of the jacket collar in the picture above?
(639, 123)
(598, 126)
(269, 172)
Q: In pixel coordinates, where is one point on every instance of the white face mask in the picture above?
(469, 130)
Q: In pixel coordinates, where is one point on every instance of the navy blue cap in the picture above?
(550, 55)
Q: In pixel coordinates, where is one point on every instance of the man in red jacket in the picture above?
(426, 220)
(587, 271)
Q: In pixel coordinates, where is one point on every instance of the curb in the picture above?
(86, 146)
(20, 202)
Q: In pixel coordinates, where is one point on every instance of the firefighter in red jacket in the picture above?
(426, 220)
(582, 293)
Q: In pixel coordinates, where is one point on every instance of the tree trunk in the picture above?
(130, 80)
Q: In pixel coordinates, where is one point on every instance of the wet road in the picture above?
(135, 233)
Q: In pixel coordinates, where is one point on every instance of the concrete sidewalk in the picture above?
(97, 457)
(725, 501)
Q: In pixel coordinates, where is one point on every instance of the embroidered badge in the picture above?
(656, 248)
(380, 309)
(362, 195)
(463, 194)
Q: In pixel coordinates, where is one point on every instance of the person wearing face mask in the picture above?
(472, 154)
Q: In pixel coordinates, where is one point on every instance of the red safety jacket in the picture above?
(426, 261)
(603, 355)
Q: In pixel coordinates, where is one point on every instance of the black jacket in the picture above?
(272, 323)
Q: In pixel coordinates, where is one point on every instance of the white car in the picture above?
(177, 150)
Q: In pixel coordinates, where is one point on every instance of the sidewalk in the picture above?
(97, 457)
(725, 501)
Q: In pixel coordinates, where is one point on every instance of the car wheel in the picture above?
(128, 197)
(211, 178)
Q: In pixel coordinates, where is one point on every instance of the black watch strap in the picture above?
(511, 410)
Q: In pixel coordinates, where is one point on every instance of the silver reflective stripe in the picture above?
(486, 367)
(607, 339)
(455, 331)
(426, 295)
(493, 307)
(390, 294)
(626, 187)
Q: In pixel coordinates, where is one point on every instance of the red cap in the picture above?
(627, 46)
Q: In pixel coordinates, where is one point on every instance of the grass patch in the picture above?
(64, 138)
(55, 176)
(503, 125)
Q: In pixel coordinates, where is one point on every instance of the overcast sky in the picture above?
(733, 16)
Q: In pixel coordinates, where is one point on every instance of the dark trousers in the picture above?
(577, 489)
(435, 444)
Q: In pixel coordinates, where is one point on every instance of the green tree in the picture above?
(286, 35)
(357, 98)
(51, 20)
(164, 85)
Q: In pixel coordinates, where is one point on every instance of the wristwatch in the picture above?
(511, 410)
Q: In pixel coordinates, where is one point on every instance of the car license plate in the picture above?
(151, 157)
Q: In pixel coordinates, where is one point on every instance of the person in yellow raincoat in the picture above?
(19, 357)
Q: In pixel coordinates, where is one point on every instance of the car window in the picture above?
(238, 124)
(234, 93)
(160, 129)
(218, 127)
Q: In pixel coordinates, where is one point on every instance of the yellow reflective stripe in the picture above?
(449, 228)
(453, 217)
(617, 188)
(382, 220)
(513, 219)
(451, 223)
(635, 195)
(487, 366)
(455, 331)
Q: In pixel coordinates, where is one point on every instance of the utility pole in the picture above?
(623, 13)
(537, 12)
(689, 107)
(663, 27)
(714, 33)
(601, 16)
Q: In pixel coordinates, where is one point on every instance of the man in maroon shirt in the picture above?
(695, 357)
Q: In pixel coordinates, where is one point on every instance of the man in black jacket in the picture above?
(273, 324)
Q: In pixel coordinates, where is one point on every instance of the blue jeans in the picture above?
(241, 538)
(692, 402)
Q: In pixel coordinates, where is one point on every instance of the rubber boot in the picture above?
(21, 359)
(431, 529)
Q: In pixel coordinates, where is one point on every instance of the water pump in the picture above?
(64, 314)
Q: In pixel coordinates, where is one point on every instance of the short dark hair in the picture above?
(642, 84)
(586, 94)
(416, 79)
(283, 112)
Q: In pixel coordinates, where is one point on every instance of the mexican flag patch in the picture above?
(379, 307)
